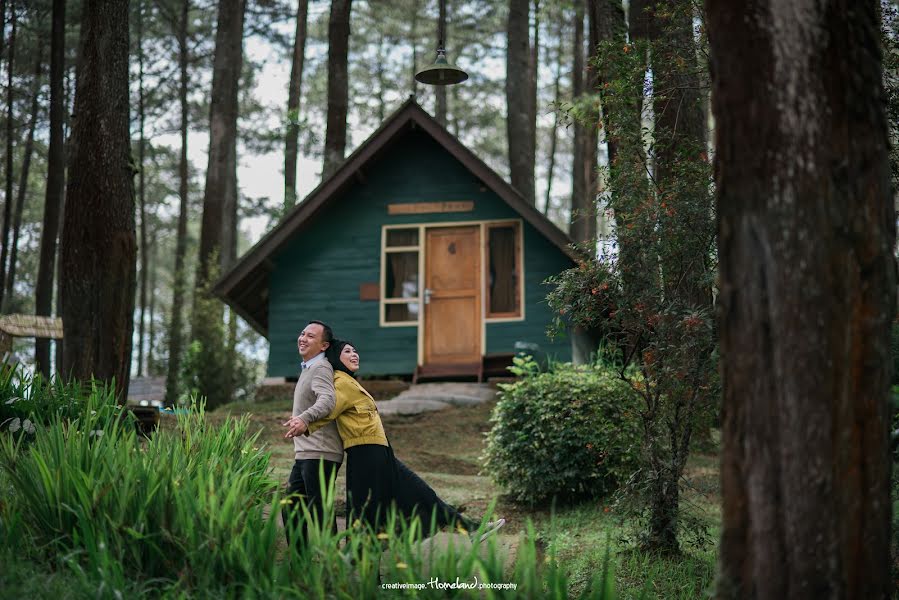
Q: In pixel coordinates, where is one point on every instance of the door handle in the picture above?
(428, 293)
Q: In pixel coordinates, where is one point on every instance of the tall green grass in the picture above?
(195, 512)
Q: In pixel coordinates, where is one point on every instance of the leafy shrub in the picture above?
(569, 433)
(27, 401)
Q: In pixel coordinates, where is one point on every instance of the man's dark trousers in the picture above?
(305, 481)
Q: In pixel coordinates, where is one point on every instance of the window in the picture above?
(503, 261)
(400, 293)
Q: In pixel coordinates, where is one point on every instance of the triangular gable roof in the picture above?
(245, 286)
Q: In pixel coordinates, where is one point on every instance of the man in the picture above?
(320, 453)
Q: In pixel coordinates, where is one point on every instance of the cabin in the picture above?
(414, 250)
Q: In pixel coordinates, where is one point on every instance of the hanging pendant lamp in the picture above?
(442, 72)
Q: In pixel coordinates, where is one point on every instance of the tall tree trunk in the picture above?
(338, 85)
(69, 76)
(557, 95)
(23, 186)
(533, 80)
(222, 132)
(806, 231)
(382, 80)
(8, 198)
(519, 127)
(55, 188)
(413, 33)
(220, 195)
(579, 202)
(440, 90)
(141, 152)
(176, 321)
(294, 94)
(99, 247)
(151, 327)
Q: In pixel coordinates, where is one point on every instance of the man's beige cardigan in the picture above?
(314, 399)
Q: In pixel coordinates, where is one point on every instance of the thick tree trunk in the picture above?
(141, 151)
(806, 231)
(519, 127)
(8, 198)
(578, 178)
(338, 85)
(98, 239)
(294, 94)
(55, 188)
(23, 187)
(176, 322)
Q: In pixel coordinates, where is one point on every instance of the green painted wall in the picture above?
(317, 274)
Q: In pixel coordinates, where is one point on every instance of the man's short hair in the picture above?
(327, 335)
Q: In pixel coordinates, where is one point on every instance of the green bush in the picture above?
(569, 433)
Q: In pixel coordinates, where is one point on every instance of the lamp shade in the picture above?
(441, 72)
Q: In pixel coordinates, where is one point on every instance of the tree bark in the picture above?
(806, 230)
(294, 94)
(176, 321)
(338, 85)
(519, 127)
(8, 199)
(141, 152)
(23, 187)
(98, 239)
(56, 175)
(578, 174)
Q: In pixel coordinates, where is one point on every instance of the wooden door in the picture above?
(452, 318)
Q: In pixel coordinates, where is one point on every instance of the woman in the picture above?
(375, 478)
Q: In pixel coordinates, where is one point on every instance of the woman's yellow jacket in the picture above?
(358, 421)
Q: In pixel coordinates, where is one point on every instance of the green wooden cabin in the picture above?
(416, 251)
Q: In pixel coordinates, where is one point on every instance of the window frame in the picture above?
(518, 313)
(384, 301)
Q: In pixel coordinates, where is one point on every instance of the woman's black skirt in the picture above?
(375, 478)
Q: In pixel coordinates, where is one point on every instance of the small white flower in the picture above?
(96, 432)
(93, 412)
(15, 425)
(28, 426)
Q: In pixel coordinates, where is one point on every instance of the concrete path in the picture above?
(426, 397)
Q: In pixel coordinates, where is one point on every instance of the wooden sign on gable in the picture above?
(418, 208)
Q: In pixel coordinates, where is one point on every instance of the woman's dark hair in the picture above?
(332, 353)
